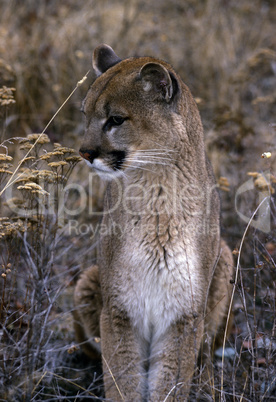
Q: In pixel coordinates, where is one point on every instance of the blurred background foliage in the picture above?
(225, 51)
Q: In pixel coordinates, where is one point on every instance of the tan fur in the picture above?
(88, 299)
(163, 270)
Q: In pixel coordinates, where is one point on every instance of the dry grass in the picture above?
(226, 53)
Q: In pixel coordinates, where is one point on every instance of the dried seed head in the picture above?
(15, 201)
(23, 179)
(66, 150)
(272, 178)
(47, 175)
(266, 155)
(51, 154)
(6, 96)
(4, 157)
(57, 164)
(39, 138)
(61, 178)
(224, 180)
(44, 157)
(9, 228)
(34, 185)
(26, 146)
(253, 174)
(6, 102)
(263, 184)
(28, 159)
(72, 349)
(40, 192)
(5, 171)
(223, 184)
(73, 159)
(34, 188)
(199, 101)
(24, 188)
(5, 165)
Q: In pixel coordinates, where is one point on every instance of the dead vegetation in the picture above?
(226, 53)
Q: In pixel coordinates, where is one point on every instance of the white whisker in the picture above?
(141, 168)
(165, 149)
(154, 154)
(148, 162)
(152, 158)
(122, 172)
(159, 154)
(159, 150)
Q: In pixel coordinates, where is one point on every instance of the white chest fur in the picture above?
(162, 285)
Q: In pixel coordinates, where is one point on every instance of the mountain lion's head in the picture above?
(138, 112)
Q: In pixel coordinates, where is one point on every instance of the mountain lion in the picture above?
(161, 288)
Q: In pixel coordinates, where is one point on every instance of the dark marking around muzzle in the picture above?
(118, 158)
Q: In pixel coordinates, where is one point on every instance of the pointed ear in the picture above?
(156, 78)
(104, 57)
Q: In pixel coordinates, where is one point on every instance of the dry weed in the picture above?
(226, 53)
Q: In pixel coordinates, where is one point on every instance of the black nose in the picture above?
(88, 154)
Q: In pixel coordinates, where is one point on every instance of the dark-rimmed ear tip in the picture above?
(151, 67)
(104, 57)
(102, 48)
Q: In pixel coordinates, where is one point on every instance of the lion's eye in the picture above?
(113, 121)
(116, 120)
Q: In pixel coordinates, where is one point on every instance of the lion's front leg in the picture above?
(173, 360)
(124, 374)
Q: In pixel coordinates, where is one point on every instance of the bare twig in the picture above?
(113, 378)
(233, 292)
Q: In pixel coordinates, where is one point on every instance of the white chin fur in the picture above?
(104, 171)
